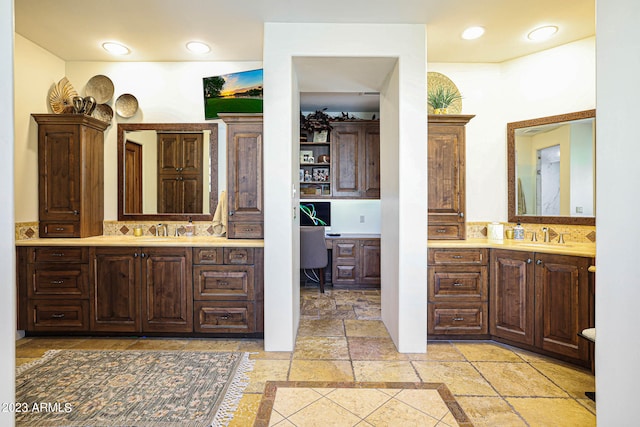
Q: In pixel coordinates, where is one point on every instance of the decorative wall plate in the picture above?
(435, 80)
(61, 97)
(100, 87)
(103, 112)
(126, 105)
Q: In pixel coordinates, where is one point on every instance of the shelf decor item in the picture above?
(316, 122)
(443, 97)
(61, 97)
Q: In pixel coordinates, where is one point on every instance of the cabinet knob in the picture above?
(528, 260)
(76, 212)
(538, 262)
(143, 255)
(135, 254)
(230, 213)
(461, 214)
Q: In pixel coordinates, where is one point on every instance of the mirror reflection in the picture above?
(167, 171)
(552, 169)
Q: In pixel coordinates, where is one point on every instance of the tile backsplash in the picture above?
(475, 230)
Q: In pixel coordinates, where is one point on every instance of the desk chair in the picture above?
(313, 251)
(590, 335)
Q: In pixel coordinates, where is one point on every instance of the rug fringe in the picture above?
(234, 393)
(48, 355)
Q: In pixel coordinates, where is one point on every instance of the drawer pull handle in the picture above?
(57, 282)
(59, 228)
(458, 284)
(441, 230)
(222, 284)
(224, 317)
(458, 319)
(57, 254)
(57, 315)
(457, 256)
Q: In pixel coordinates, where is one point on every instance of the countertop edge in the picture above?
(145, 241)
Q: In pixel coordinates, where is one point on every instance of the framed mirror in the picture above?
(551, 169)
(167, 171)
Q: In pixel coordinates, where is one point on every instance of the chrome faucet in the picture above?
(545, 231)
(164, 229)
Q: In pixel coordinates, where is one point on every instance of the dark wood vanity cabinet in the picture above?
(542, 301)
(71, 175)
(458, 292)
(244, 176)
(355, 156)
(180, 172)
(446, 176)
(53, 289)
(141, 289)
(228, 291)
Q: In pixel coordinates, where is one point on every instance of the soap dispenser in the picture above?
(518, 232)
(189, 228)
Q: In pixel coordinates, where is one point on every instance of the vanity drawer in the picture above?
(58, 315)
(224, 317)
(457, 319)
(476, 256)
(245, 230)
(456, 283)
(238, 255)
(223, 283)
(444, 231)
(59, 229)
(55, 280)
(61, 254)
(208, 256)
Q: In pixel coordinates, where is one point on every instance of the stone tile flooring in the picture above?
(341, 339)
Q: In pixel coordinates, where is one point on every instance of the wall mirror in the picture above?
(167, 171)
(551, 169)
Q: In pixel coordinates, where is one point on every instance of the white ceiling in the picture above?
(157, 30)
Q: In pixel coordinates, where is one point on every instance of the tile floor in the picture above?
(341, 339)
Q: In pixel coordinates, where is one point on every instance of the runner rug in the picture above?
(130, 388)
(306, 403)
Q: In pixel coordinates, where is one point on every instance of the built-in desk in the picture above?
(354, 260)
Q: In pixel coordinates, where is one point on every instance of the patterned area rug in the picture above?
(308, 403)
(132, 388)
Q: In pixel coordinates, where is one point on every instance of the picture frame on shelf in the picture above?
(306, 156)
(320, 174)
(301, 175)
(320, 136)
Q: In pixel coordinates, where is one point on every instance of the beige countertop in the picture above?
(569, 248)
(147, 241)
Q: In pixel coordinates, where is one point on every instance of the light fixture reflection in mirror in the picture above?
(167, 171)
(551, 169)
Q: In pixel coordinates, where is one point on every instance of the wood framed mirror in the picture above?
(551, 169)
(167, 171)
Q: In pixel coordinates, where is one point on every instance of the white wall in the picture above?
(167, 92)
(7, 248)
(284, 42)
(617, 175)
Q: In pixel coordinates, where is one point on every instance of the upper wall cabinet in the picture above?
(244, 176)
(71, 175)
(446, 176)
(344, 165)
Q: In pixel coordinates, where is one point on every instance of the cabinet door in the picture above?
(512, 296)
(115, 297)
(562, 304)
(369, 271)
(167, 291)
(371, 165)
(244, 176)
(346, 158)
(59, 179)
(446, 173)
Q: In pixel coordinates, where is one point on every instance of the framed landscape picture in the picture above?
(232, 93)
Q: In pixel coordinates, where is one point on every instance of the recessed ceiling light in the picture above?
(198, 47)
(542, 33)
(473, 33)
(115, 48)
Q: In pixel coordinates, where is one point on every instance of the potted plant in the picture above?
(316, 122)
(441, 97)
